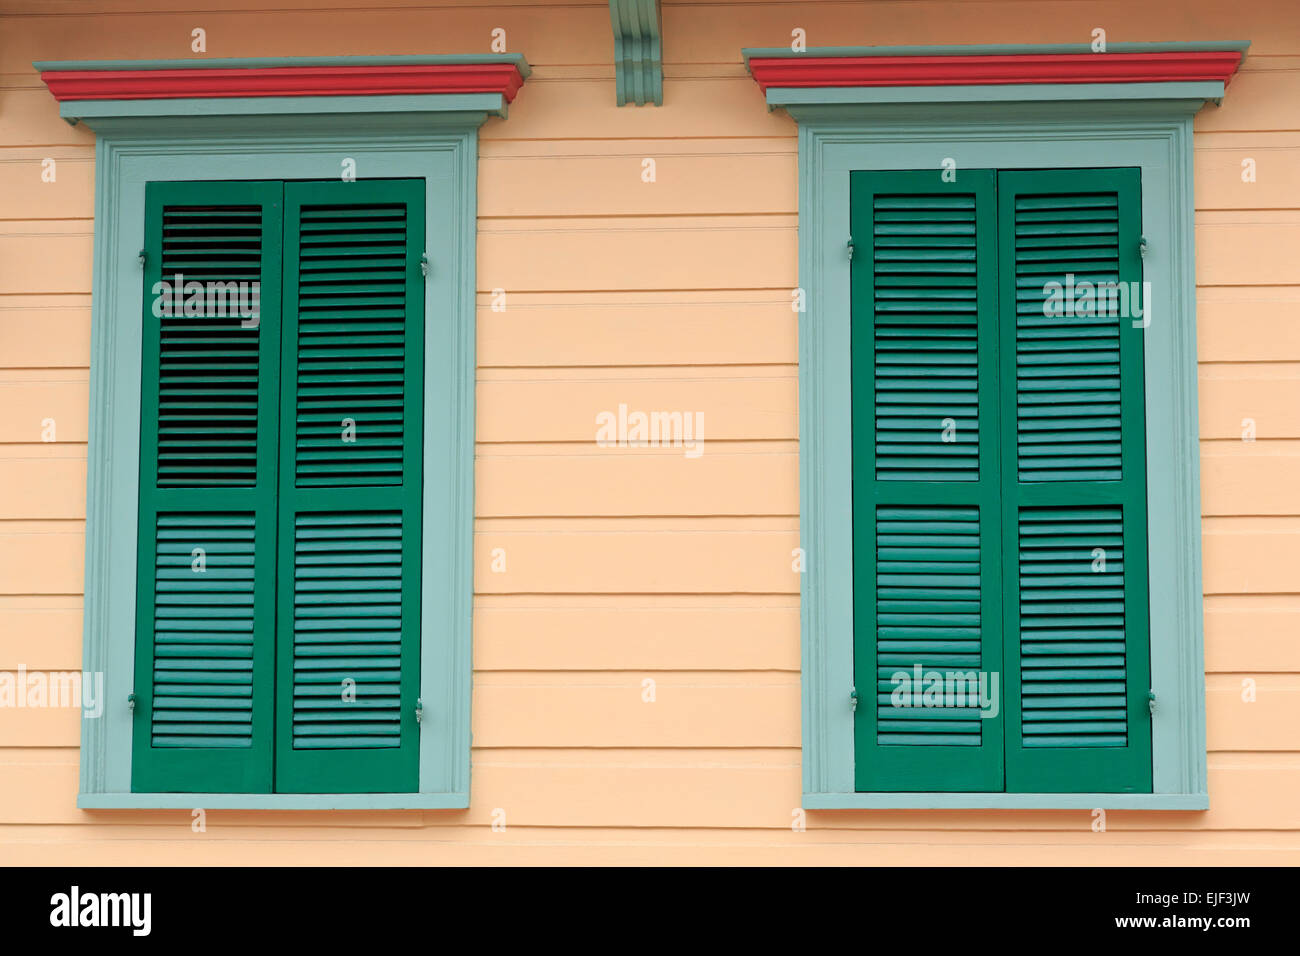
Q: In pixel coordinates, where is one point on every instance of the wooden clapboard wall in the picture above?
(624, 565)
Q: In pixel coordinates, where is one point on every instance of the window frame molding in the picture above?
(432, 136)
(1057, 125)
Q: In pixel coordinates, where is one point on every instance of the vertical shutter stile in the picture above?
(1074, 522)
(925, 480)
(350, 488)
(205, 633)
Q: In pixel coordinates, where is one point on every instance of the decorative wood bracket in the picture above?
(638, 51)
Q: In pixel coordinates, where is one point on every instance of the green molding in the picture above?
(131, 152)
(268, 63)
(1006, 801)
(786, 96)
(999, 49)
(273, 801)
(638, 51)
(1155, 136)
(366, 111)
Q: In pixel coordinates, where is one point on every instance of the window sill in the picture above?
(1006, 801)
(273, 801)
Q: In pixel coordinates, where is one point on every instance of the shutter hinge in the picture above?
(130, 702)
(424, 264)
(1142, 246)
(419, 710)
(850, 245)
(853, 699)
(1151, 702)
(141, 258)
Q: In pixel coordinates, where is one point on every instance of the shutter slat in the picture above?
(203, 687)
(949, 576)
(198, 384)
(349, 379)
(1065, 367)
(925, 301)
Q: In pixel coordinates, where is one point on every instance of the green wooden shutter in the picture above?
(926, 546)
(350, 488)
(205, 628)
(1074, 490)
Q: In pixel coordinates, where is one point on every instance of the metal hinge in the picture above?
(1151, 702)
(850, 245)
(130, 702)
(141, 258)
(853, 699)
(419, 710)
(424, 265)
(1142, 247)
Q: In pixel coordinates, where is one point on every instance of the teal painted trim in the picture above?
(448, 530)
(787, 96)
(460, 107)
(269, 63)
(132, 154)
(638, 51)
(1145, 134)
(1006, 801)
(997, 49)
(273, 801)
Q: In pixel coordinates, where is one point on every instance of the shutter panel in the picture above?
(1075, 485)
(927, 594)
(206, 574)
(350, 488)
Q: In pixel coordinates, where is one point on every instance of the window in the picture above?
(930, 566)
(315, 459)
(999, 481)
(277, 646)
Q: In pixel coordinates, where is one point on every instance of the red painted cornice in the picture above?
(974, 69)
(325, 80)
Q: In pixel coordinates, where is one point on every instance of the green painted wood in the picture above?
(1074, 499)
(273, 801)
(351, 460)
(1006, 801)
(638, 51)
(804, 100)
(205, 629)
(925, 488)
(341, 112)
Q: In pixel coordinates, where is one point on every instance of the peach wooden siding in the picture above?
(623, 565)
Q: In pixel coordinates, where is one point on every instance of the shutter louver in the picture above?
(1074, 491)
(927, 618)
(203, 632)
(1067, 363)
(207, 371)
(925, 495)
(347, 599)
(926, 338)
(1072, 649)
(205, 599)
(350, 488)
(351, 328)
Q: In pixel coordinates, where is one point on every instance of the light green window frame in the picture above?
(1145, 126)
(433, 138)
